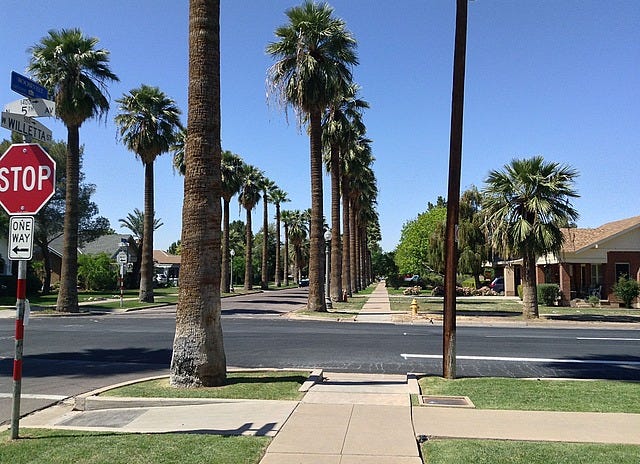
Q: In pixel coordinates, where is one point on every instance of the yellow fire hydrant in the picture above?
(414, 307)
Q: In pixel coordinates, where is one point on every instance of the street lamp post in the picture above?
(327, 242)
(232, 252)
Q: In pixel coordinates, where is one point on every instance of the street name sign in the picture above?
(27, 178)
(26, 126)
(21, 230)
(32, 107)
(27, 87)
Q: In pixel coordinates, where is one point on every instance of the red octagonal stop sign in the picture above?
(27, 178)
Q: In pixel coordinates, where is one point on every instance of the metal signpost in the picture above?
(27, 183)
(122, 258)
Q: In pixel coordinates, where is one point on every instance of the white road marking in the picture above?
(610, 339)
(532, 360)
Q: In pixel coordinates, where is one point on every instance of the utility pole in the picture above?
(453, 194)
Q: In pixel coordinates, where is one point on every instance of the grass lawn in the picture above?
(64, 446)
(271, 385)
(540, 395)
(495, 451)
(346, 310)
(463, 307)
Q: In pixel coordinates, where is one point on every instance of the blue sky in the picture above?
(558, 78)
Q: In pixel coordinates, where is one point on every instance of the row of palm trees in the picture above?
(314, 55)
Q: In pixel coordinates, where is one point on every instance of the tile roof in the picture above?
(578, 239)
(162, 257)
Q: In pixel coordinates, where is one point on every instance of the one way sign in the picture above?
(21, 238)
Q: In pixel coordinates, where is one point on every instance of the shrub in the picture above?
(626, 289)
(520, 292)
(548, 294)
(594, 301)
(95, 272)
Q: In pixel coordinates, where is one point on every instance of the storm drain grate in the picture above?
(446, 401)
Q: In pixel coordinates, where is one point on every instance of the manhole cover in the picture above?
(447, 401)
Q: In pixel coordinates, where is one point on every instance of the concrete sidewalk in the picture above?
(377, 307)
(342, 419)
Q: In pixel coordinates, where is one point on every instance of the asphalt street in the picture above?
(66, 356)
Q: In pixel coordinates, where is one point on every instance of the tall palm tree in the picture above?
(342, 124)
(231, 171)
(135, 223)
(277, 197)
(250, 192)
(198, 348)
(286, 217)
(298, 226)
(526, 204)
(314, 53)
(268, 186)
(148, 122)
(77, 73)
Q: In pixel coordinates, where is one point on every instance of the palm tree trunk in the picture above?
(316, 301)
(336, 239)
(278, 268)
(68, 293)
(529, 288)
(248, 252)
(225, 272)
(264, 278)
(146, 274)
(352, 248)
(198, 349)
(286, 254)
(346, 242)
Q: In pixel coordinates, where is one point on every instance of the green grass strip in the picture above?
(43, 446)
(511, 452)
(540, 395)
(271, 385)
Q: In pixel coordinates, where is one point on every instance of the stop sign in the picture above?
(27, 178)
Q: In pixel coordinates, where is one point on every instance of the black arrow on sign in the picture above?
(20, 250)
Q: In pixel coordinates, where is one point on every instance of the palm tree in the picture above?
(231, 172)
(277, 197)
(286, 217)
(147, 124)
(250, 191)
(135, 223)
(525, 205)
(314, 53)
(68, 64)
(268, 186)
(341, 126)
(198, 348)
(298, 226)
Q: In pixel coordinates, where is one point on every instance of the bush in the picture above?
(548, 294)
(95, 272)
(594, 301)
(520, 291)
(626, 289)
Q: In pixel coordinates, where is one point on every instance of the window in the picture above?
(622, 269)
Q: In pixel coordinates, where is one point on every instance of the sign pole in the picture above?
(121, 285)
(17, 362)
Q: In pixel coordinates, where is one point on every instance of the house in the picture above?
(110, 244)
(590, 261)
(167, 264)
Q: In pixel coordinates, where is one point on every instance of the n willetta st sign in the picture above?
(27, 178)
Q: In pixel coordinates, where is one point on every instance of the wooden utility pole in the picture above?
(453, 195)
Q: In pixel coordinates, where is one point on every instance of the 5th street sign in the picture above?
(26, 126)
(32, 107)
(20, 238)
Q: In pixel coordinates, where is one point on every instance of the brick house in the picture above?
(590, 261)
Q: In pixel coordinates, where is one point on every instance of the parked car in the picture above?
(161, 280)
(497, 285)
(303, 283)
